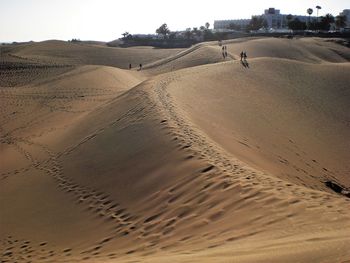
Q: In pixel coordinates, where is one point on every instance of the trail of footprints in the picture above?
(213, 153)
(95, 202)
(225, 175)
(23, 250)
(124, 223)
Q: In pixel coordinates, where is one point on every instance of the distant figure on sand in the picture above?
(129, 66)
(140, 67)
(224, 52)
(244, 59)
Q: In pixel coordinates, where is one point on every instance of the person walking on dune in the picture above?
(242, 54)
(245, 55)
(129, 66)
(140, 67)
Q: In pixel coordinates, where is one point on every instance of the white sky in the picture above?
(105, 20)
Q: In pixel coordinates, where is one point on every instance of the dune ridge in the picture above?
(194, 159)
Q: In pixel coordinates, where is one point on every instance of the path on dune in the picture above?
(232, 169)
(257, 187)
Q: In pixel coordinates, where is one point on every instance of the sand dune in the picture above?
(305, 49)
(304, 107)
(194, 159)
(197, 55)
(59, 52)
(302, 50)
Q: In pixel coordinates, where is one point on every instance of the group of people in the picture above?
(243, 55)
(224, 51)
(224, 54)
(140, 66)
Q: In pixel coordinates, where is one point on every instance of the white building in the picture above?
(274, 19)
(346, 13)
(277, 20)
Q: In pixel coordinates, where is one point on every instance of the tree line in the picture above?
(294, 23)
(195, 32)
(322, 23)
(168, 38)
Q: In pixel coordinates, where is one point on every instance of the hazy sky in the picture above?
(24, 20)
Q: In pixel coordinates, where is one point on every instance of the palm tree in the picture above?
(318, 8)
(309, 11)
(125, 34)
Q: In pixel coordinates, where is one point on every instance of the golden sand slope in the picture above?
(59, 52)
(217, 162)
(295, 125)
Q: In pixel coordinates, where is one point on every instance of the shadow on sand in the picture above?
(245, 63)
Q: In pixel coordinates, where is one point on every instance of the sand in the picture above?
(195, 158)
